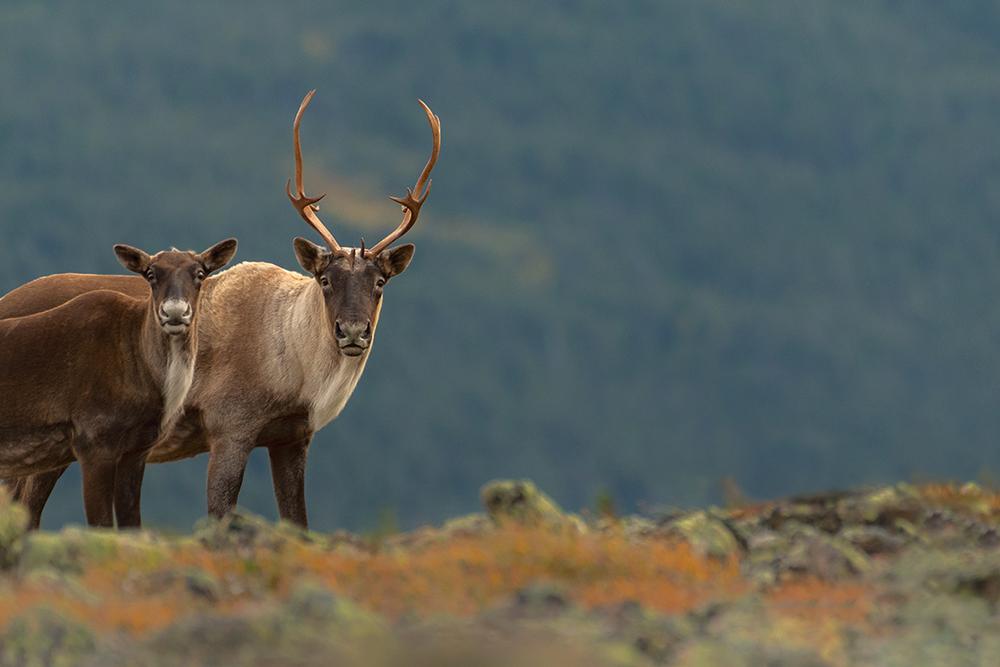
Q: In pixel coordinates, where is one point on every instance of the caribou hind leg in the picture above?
(47, 448)
(34, 492)
(15, 487)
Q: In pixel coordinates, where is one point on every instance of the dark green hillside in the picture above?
(667, 243)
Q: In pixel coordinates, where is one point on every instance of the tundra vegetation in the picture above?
(881, 576)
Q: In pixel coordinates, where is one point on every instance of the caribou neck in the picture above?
(328, 378)
(169, 361)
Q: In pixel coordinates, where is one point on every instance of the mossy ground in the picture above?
(870, 577)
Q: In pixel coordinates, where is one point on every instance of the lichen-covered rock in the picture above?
(708, 533)
(654, 636)
(883, 507)
(471, 525)
(798, 550)
(945, 528)
(540, 600)
(933, 629)
(42, 638)
(314, 605)
(749, 632)
(636, 527)
(314, 627)
(242, 530)
(962, 572)
(875, 540)
(719, 652)
(68, 550)
(820, 512)
(468, 525)
(520, 501)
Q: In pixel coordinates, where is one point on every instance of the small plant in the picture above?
(604, 504)
(732, 495)
(386, 525)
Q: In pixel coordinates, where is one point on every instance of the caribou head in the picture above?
(352, 279)
(175, 278)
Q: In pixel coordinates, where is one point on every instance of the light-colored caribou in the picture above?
(99, 377)
(280, 352)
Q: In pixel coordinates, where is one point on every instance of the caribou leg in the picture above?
(226, 465)
(15, 487)
(128, 489)
(34, 491)
(98, 490)
(288, 472)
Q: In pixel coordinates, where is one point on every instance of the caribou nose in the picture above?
(353, 333)
(175, 311)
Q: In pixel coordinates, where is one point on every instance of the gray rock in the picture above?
(521, 502)
(44, 638)
(798, 550)
(875, 540)
(708, 533)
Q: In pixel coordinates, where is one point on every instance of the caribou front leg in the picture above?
(98, 490)
(288, 472)
(226, 465)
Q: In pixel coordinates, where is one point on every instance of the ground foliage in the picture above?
(882, 576)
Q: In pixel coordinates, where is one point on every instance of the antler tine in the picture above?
(416, 195)
(306, 206)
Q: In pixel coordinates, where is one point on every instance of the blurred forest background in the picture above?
(669, 243)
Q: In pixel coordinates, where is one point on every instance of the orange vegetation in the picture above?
(968, 497)
(809, 599)
(134, 593)
(462, 575)
(814, 614)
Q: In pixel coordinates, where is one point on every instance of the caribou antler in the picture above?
(306, 206)
(415, 196)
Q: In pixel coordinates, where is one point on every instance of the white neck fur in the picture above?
(176, 381)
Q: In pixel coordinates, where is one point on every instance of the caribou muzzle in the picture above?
(175, 316)
(353, 338)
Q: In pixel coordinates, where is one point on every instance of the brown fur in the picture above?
(90, 380)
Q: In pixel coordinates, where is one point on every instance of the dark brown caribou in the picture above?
(280, 353)
(99, 377)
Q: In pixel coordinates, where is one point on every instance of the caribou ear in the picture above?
(133, 259)
(218, 255)
(394, 261)
(312, 258)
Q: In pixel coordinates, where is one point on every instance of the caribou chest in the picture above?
(327, 403)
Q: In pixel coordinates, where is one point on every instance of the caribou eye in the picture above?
(150, 276)
(201, 274)
(324, 281)
(380, 283)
